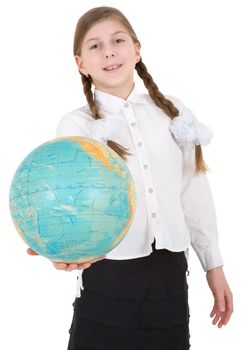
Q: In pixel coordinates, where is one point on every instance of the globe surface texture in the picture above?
(72, 199)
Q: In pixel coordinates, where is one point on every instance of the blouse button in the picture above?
(140, 144)
(150, 190)
(133, 124)
(153, 215)
(145, 166)
(126, 105)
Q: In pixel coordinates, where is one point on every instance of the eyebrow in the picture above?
(117, 32)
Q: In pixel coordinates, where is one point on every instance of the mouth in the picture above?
(112, 67)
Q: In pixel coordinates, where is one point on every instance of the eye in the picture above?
(94, 46)
(119, 40)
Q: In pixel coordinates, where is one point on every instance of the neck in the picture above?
(119, 92)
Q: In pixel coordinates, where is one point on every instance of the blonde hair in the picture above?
(85, 23)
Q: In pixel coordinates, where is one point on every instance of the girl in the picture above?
(136, 298)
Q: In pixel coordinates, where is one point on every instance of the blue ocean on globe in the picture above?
(72, 199)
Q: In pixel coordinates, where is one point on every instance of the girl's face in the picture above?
(109, 55)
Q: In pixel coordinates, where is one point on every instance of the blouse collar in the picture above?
(114, 104)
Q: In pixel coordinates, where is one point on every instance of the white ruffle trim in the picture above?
(104, 129)
(187, 130)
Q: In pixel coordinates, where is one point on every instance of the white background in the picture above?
(195, 51)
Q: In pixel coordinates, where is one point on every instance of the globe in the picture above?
(72, 199)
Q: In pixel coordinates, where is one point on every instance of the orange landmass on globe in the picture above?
(92, 148)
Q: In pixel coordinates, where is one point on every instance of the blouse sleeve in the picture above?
(69, 126)
(199, 212)
(196, 196)
(77, 124)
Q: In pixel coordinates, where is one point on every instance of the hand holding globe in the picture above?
(68, 267)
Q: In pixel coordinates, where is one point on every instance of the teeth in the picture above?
(111, 68)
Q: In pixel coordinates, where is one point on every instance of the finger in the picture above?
(227, 317)
(31, 252)
(221, 322)
(229, 308)
(224, 319)
(60, 266)
(213, 312)
(71, 267)
(83, 266)
(216, 318)
(87, 264)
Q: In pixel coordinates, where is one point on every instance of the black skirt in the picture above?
(135, 304)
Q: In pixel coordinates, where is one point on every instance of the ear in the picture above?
(80, 65)
(137, 47)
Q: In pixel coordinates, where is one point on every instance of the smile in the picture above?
(112, 67)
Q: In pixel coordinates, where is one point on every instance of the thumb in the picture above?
(31, 252)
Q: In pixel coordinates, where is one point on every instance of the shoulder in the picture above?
(79, 115)
(178, 103)
(145, 98)
(79, 122)
(186, 128)
(74, 122)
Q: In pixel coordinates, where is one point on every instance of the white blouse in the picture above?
(173, 205)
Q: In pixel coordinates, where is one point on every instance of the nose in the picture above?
(109, 51)
(109, 55)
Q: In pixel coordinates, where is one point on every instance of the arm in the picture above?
(200, 218)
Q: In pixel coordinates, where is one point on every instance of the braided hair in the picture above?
(85, 22)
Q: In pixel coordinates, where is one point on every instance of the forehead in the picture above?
(104, 28)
